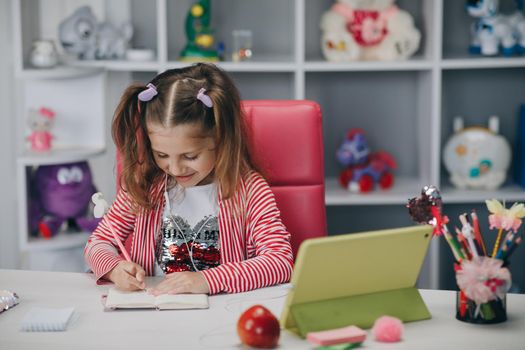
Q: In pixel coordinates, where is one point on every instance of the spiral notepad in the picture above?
(40, 319)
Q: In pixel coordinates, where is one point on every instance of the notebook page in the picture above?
(182, 301)
(137, 299)
(41, 319)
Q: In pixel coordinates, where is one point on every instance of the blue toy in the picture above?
(363, 168)
(493, 33)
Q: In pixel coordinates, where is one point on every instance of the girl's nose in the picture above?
(175, 168)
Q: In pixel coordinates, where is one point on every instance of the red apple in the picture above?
(258, 327)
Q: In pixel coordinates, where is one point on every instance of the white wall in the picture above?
(8, 199)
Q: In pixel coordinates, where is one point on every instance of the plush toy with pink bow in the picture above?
(40, 122)
(368, 30)
(364, 169)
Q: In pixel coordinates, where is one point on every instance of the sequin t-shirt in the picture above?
(189, 237)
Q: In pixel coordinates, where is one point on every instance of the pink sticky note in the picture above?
(350, 334)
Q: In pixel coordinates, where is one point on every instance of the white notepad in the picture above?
(117, 299)
(42, 319)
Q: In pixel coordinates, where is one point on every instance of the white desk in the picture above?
(215, 328)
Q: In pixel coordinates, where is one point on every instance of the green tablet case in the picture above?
(353, 279)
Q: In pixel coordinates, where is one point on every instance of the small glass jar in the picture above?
(43, 54)
(494, 311)
(242, 45)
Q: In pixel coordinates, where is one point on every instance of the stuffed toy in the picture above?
(477, 157)
(82, 35)
(61, 196)
(368, 30)
(41, 121)
(363, 169)
(492, 32)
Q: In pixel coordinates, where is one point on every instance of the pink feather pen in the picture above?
(101, 207)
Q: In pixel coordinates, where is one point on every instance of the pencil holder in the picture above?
(494, 311)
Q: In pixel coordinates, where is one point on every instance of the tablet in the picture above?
(352, 279)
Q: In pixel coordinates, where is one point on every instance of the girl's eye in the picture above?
(191, 157)
(162, 155)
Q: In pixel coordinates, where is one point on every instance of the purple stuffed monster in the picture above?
(62, 194)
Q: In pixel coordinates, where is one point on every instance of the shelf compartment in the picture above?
(403, 130)
(472, 95)
(29, 241)
(81, 111)
(41, 19)
(456, 28)
(275, 39)
(143, 16)
(421, 11)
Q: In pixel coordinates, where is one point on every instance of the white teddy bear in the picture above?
(368, 30)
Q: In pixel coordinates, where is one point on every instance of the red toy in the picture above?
(364, 169)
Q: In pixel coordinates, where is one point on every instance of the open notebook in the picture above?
(117, 299)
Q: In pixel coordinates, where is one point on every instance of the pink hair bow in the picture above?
(46, 112)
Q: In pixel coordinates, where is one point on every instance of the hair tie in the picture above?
(149, 93)
(205, 99)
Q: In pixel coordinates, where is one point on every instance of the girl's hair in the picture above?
(176, 103)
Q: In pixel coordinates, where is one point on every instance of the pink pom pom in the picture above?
(387, 329)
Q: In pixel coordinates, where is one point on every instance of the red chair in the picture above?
(287, 144)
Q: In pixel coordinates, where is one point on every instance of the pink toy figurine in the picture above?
(363, 168)
(40, 123)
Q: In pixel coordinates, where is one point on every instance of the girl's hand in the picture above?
(127, 276)
(181, 282)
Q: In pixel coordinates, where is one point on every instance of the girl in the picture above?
(190, 196)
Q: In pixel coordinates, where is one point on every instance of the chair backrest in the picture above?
(287, 144)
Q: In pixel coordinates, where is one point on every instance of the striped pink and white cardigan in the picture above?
(254, 244)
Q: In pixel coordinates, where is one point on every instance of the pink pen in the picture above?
(119, 242)
(101, 207)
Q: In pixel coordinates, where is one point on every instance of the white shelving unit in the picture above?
(405, 107)
(79, 132)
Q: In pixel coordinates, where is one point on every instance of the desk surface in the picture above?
(215, 328)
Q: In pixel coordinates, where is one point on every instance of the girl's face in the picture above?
(182, 152)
